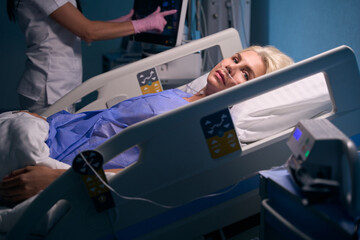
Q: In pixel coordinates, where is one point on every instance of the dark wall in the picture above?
(307, 27)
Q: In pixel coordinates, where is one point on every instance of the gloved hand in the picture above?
(125, 18)
(155, 21)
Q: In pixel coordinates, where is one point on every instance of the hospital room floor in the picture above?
(251, 234)
(247, 229)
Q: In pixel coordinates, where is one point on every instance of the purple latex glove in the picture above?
(125, 18)
(154, 22)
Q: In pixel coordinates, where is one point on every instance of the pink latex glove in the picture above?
(153, 22)
(125, 18)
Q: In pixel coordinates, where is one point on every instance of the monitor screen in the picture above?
(172, 34)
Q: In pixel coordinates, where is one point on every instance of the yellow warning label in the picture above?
(221, 146)
(93, 185)
(220, 134)
(152, 87)
(149, 81)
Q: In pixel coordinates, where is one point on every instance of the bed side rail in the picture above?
(123, 81)
(339, 66)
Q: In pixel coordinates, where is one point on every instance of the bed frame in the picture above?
(176, 168)
(121, 83)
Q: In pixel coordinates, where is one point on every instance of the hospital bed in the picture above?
(176, 168)
(121, 83)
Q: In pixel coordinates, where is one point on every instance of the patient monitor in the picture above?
(325, 163)
(171, 74)
(179, 71)
(174, 28)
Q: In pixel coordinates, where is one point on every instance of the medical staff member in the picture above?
(53, 31)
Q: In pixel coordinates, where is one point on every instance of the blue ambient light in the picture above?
(297, 134)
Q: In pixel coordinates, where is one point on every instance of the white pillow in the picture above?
(22, 142)
(277, 110)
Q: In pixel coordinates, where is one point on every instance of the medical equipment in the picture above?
(175, 166)
(286, 213)
(325, 163)
(323, 203)
(173, 30)
(149, 43)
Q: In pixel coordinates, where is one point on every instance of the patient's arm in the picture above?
(26, 182)
(115, 170)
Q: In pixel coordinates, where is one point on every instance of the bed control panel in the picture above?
(149, 81)
(220, 134)
(89, 165)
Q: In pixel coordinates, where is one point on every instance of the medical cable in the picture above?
(196, 92)
(245, 38)
(103, 182)
(204, 33)
(159, 204)
(227, 72)
(201, 91)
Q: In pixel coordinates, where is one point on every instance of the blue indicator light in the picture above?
(297, 134)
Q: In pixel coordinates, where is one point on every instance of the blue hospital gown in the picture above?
(70, 134)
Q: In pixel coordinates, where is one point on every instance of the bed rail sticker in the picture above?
(149, 81)
(98, 192)
(220, 133)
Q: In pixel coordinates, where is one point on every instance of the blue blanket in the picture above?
(70, 134)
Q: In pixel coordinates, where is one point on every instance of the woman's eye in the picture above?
(236, 60)
(246, 76)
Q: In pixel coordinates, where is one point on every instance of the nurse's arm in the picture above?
(72, 19)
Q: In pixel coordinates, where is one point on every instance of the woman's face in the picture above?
(239, 68)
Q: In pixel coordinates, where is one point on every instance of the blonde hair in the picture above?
(272, 57)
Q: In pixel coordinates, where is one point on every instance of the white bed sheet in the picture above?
(22, 143)
(272, 112)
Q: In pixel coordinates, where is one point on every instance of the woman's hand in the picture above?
(154, 22)
(26, 182)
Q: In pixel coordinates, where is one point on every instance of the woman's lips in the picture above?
(220, 76)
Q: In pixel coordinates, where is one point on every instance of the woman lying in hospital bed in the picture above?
(30, 163)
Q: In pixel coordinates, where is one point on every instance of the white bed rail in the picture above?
(175, 165)
(122, 81)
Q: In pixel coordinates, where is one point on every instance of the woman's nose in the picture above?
(228, 68)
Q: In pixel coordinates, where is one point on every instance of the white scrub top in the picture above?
(53, 53)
